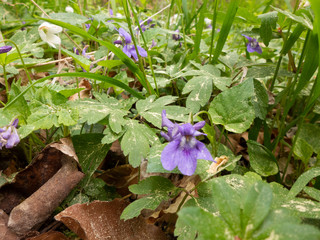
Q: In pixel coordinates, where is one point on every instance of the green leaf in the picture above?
(302, 181)
(234, 117)
(226, 26)
(260, 100)
(84, 75)
(110, 63)
(152, 185)
(292, 39)
(206, 224)
(152, 108)
(302, 20)
(157, 187)
(268, 22)
(280, 224)
(256, 207)
(93, 111)
(303, 208)
(71, 18)
(261, 159)
(49, 109)
(303, 150)
(312, 192)
(136, 142)
(229, 210)
(90, 151)
(81, 60)
(201, 89)
(310, 134)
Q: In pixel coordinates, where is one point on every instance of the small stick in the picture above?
(151, 16)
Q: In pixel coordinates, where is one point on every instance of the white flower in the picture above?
(69, 9)
(207, 21)
(47, 33)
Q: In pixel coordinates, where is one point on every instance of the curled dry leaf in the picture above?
(40, 205)
(219, 162)
(101, 220)
(85, 93)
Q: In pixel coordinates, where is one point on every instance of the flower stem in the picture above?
(5, 80)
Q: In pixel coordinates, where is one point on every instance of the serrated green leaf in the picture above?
(268, 22)
(261, 159)
(201, 89)
(92, 111)
(136, 142)
(234, 117)
(158, 187)
(110, 136)
(151, 109)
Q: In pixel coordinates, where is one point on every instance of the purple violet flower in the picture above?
(84, 53)
(253, 45)
(153, 44)
(125, 35)
(5, 49)
(9, 136)
(128, 48)
(146, 25)
(176, 36)
(183, 149)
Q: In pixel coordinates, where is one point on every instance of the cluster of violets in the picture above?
(128, 47)
(146, 25)
(183, 149)
(9, 136)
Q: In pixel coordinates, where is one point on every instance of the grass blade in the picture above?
(226, 26)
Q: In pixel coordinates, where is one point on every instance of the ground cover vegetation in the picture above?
(175, 119)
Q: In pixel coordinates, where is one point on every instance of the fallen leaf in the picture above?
(39, 206)
(50, 236)
(101, 220)
(5, 232)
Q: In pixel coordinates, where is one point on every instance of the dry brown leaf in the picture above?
(40, 205)
(50, 236)
(219, 161)
(101, 220)
(85, 93)
(5, 232)
(121, 177)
